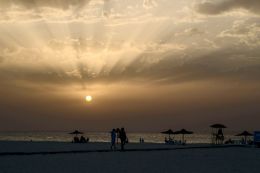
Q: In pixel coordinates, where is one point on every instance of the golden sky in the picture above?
(148, 64)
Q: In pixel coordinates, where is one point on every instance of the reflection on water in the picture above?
(104, 137)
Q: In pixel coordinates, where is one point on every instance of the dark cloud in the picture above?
(31, 4)
(213, 7)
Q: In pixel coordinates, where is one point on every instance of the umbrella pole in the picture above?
(183, 138)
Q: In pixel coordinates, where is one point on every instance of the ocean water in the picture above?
(105, 137)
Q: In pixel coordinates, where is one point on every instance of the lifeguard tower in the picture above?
(217, 135)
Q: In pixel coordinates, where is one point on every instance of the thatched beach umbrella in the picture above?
(245, 134)
(183, 132)
(76, 132)
(168, 132)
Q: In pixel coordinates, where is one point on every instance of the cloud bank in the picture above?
(219, 6)
(149, 49)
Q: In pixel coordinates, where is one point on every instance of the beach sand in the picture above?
(96, 157)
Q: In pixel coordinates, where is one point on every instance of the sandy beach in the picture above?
(26, 157)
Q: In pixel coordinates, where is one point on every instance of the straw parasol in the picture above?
(245, 134)
(168, 132)
(183, 132)
(76, 132)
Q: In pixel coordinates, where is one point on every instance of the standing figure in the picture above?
(123, 138)
(220, 137)
(113, 139)
(117, 135)
(82, 139)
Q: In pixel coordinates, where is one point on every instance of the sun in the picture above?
(88, 98)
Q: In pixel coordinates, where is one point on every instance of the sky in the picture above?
(149, 65)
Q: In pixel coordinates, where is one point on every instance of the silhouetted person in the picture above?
(76, 139)
(123, 138)
(220, 133)
(229, 141)
(113, 139)
(82, 139)
(117, 135)
(220, 136)
(243, 141)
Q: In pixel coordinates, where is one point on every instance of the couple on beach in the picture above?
(118, 134)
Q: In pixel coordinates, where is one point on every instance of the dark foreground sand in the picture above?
(213, 160)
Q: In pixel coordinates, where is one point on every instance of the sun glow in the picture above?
(88, 98)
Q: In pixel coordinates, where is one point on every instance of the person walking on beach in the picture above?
(113, 139)
(122, 136)
(117, 135)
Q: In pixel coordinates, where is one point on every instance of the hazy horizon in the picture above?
(149, 65)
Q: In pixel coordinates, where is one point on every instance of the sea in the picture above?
(105, 137)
